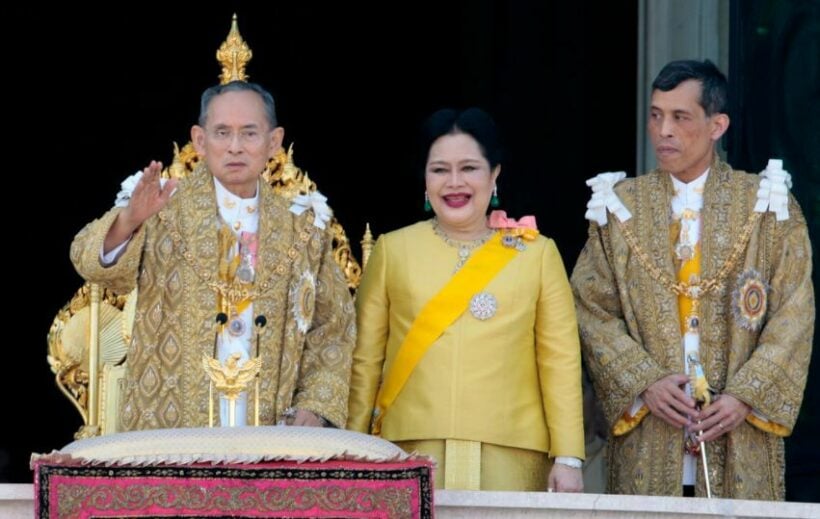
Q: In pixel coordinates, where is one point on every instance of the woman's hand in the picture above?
(564, 478)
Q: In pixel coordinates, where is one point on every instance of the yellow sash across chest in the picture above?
(437, 315)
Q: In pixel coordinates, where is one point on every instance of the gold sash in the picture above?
(437, 315)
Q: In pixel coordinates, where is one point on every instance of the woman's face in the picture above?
(459, 182)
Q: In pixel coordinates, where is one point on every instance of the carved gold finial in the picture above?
(179, 166)
(367, 245)
(234, 55)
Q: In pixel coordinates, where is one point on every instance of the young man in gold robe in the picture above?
(696, 267)
(222, 242)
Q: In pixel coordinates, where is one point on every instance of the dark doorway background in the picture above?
(112, 89)
(775, 50)
(108, 89)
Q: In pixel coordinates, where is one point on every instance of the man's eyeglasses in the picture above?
(246, 136)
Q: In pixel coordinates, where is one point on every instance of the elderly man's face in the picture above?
(682, 134)
(237, 140)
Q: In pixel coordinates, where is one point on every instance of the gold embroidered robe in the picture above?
(631, 336)
(302, 293)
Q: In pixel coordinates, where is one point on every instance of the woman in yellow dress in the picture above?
(468, 346)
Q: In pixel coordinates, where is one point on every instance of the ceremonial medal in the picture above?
(512, 241)
(750, 300)
(684, 252)
(245, 272)
(694, 323)
(236, 326)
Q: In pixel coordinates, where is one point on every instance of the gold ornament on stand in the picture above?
(230, 380)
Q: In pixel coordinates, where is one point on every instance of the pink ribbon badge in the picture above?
(524, 227)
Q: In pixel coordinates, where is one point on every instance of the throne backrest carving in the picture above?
(89, 337)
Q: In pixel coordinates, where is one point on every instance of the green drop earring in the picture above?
(427, 206)
(494, 199)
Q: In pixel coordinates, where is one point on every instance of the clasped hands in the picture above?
(668, 400)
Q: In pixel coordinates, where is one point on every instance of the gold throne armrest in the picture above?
(88, 339)
(87, 344)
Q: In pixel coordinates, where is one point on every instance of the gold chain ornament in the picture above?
(232, 292)
(703, 286)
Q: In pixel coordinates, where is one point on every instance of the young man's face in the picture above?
(682, 134)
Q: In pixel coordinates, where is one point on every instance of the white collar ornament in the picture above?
(316, 201)
(127, 188)
(229, 200)
(773, 193)
(688, 195)
(604, 198)
(239, 213)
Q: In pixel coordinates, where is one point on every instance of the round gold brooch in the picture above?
(750, 300)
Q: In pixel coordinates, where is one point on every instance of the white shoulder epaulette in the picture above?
(316, 201)
(604, 198)
(773, 194)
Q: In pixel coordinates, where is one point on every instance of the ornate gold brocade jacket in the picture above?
(173, 257)
(757, 350)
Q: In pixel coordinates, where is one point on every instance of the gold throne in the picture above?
(89, 337)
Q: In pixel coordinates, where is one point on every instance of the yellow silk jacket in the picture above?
(512, 380)
(301, 291)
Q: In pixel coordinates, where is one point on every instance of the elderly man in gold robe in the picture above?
(222, 242)
(696, 268)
